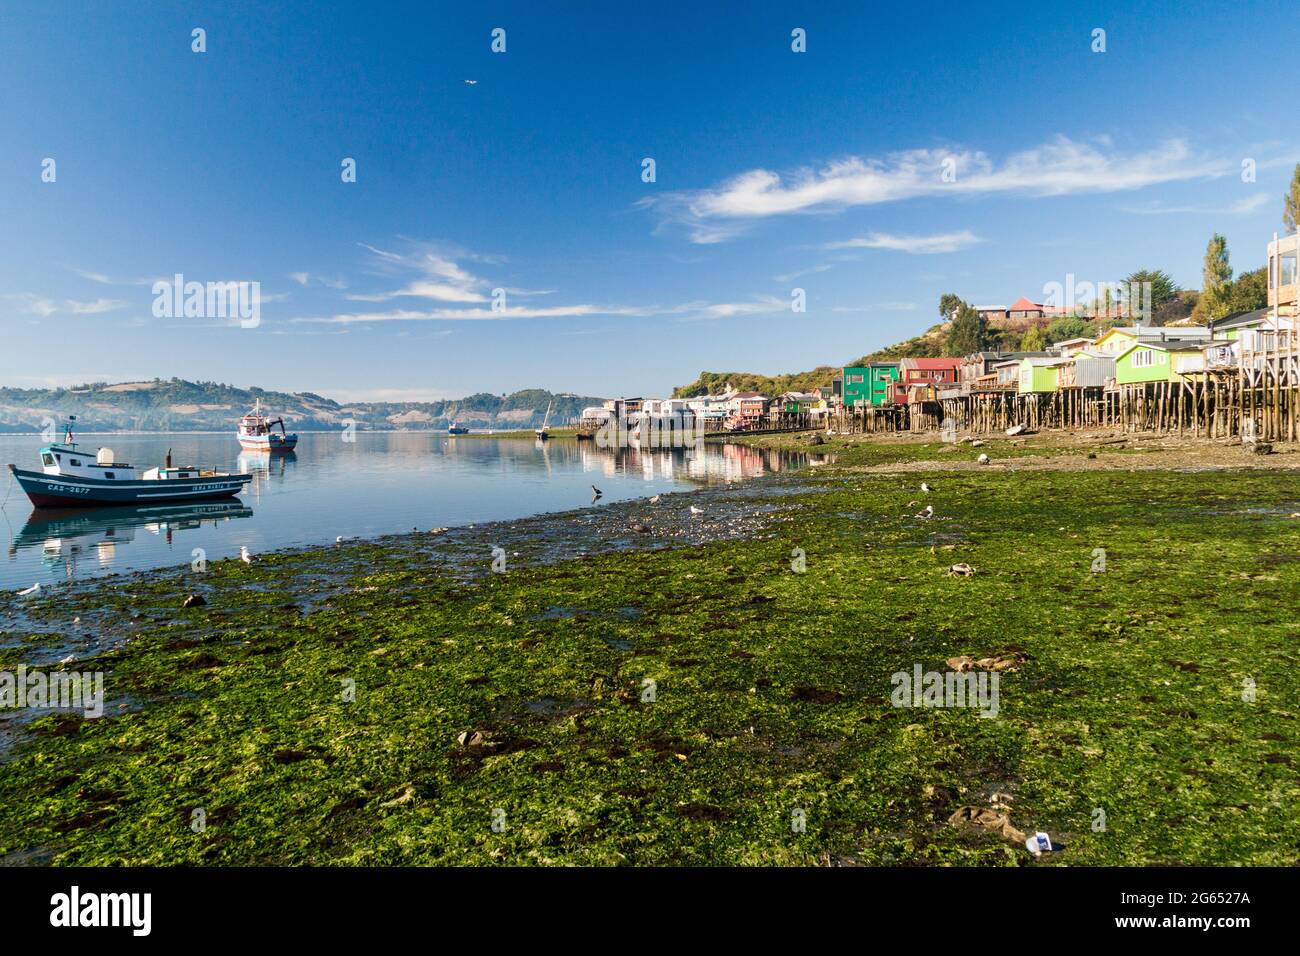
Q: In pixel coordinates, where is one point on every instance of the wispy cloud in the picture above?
(811, 270)
(437, 276)
(45, 307)
(306, 279)
(466, 314)
(1060, 167)
(878, 307)
(104, 279)
(1240, 207)
(916, 245)
(693, 310)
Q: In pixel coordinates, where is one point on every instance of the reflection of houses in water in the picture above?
(706, 461)
(65, 537)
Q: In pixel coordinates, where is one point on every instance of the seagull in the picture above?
(595, 492)
(34, 589)
(471, 82)
(926, 488)
(655, 501)
(696, 511)
(928, 512)
(244, 555)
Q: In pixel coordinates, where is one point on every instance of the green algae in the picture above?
(680, 705)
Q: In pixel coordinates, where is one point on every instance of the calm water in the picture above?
(379, 484)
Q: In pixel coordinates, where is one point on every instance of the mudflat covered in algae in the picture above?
(646, 685)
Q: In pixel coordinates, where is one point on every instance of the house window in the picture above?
(1288, 270)
(1144, 359)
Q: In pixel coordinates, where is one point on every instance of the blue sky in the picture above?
(774, 170)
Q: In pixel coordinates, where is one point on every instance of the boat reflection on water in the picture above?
(66, 537)
(265, 467)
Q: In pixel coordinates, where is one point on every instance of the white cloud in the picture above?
(1240, 207)
(45, 307)
(878, 307)
(916, 245)
(699, 309)
(104, 279)
(439, 277)
(1060, 167)
(465, 314)
(306, 278)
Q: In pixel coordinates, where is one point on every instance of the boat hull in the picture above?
(64, 491)
(268, 443)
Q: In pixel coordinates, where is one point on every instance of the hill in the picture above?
(177, 405)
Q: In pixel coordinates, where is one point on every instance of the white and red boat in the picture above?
(257, 432)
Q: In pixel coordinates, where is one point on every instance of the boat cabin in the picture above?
(69, 459)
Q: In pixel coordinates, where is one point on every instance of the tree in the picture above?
(1248, 292)
(1067, 327)
(1216, 277)
(1032, 340)
(969, 332)
(1291, 202)
(1217, 270)
(949, 303)
(1163, 290)
(1176, 309)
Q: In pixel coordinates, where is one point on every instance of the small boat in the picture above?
(71, 476)
(256, 432)
(456, 428)
(541, 433)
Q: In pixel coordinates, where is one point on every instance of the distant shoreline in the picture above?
(555, 432)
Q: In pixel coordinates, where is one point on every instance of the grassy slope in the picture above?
(773, 693)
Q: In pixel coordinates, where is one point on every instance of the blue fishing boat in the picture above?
(70, 476)
(456, 428)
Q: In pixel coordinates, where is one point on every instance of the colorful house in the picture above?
(746, 409)
(922, 375)
(1121, 337)
(1159, 360)
(1038, 374)
(855, 386)
(1086, 369)
(797, 403)
(867, 385)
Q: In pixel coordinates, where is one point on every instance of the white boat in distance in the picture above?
(256, 432)
(541, 433)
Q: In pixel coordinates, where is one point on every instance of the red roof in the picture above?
(1024, 305)
(932, 363)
